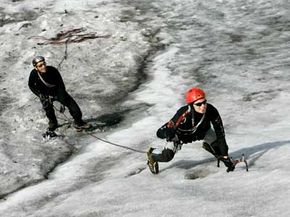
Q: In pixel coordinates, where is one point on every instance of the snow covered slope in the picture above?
(128, 64)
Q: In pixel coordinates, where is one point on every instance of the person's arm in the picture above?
(219, 130)
(168, 130)
(57, 77)
(32, 83)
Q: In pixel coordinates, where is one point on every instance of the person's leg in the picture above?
(211, 145)
(208, 141)
(50, 114)
(167, 154)
(64, 98)
(154, 156)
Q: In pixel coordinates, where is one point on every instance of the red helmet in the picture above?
(194, 94)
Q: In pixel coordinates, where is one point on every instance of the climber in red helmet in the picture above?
(198, 120)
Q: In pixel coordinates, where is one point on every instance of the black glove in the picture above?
(42, 97)
(45, 100)
(228, 163)
(170, 134)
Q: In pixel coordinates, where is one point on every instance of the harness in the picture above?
(44, 82)
(171, 124)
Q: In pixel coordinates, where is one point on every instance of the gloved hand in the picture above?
(51, 99)
(228, 163)
(42, 97)
(170, 134)
(45, 100)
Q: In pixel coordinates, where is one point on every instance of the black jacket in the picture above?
(52, 78)
(191, 126)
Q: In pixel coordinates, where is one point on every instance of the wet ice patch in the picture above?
(199, 173)
(135, 171)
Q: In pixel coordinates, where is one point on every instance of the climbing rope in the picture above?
(115, 144)
(91, 134)
(101, 139)
(64, 56)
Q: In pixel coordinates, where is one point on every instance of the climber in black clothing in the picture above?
(46, 83)
(198, 120)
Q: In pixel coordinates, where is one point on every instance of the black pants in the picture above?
(165, 156)
(65, 99)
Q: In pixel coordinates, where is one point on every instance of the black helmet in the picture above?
(37, 59)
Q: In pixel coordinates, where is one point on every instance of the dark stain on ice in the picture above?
(197, 173)
(6, 18)
(262, 95)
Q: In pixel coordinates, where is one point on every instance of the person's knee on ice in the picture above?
(165, 155)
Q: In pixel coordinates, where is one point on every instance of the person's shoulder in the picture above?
(209, 105)
(211, 108)
(183, 109)
(51, 68)
(33, 72)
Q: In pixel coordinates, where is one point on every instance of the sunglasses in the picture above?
(41, 65)
(200, 103)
